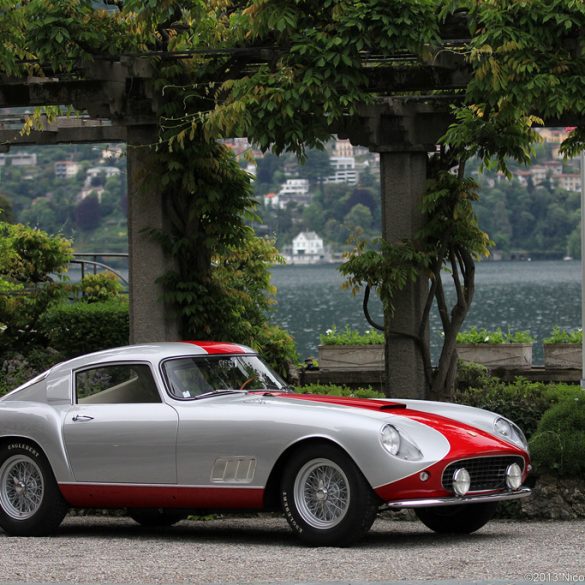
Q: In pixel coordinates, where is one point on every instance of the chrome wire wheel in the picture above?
(321, 493)
(21, 487)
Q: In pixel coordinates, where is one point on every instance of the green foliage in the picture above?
(521, 401)
(559, 335)
(276, 347)
(336, 390)
(558, 446)
(34, 254)
(351, 337)
(63, 33)
(77, 328)
(385, 266)
(541, 220)
(16, 369)
(291, 104)
(28, 258)
(481, 336)
(95, 288)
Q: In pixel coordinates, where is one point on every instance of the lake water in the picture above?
(531, 296)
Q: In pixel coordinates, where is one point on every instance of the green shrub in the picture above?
(558, 446)
(78, 328)
(350, 337)
(29, 259)
(97, 288)
(335, 390)
(559, 335)
(521, 401)
(277, 348)
(481, 336)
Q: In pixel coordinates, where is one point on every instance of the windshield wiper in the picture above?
(218, 393)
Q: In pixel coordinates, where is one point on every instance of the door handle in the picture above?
(82, 417)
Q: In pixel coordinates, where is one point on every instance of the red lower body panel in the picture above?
(82, 495)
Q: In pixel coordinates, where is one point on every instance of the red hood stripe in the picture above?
(369, 403)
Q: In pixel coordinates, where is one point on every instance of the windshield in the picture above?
(190, 377)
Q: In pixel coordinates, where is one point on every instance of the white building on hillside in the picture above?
(294, 190)
(344, 170)
(19, 159)
(66, 169)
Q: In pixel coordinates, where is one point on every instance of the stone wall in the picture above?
(555, 499)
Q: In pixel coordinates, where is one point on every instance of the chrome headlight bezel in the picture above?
(510, 432)
(398, 444)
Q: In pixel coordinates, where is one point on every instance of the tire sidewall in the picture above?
(52, 507)
(353, 525)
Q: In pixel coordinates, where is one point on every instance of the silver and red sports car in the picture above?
(169, 429)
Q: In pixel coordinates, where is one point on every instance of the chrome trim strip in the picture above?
(432, 502)
(161, 485)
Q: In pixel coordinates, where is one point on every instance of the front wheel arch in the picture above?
(325, 497)
(272, 490)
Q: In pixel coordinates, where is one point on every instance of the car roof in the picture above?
(153, 353)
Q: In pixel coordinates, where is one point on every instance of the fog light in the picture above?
(513, 476)
(461, 481)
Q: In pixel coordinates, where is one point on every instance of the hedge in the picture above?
(78, 328)
(521, 401)
(558, 446)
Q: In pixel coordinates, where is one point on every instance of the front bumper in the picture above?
(455, 501)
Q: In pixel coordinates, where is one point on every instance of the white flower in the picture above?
(329, 332)
(486, 339)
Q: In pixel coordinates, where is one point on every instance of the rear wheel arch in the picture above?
(27, 441)
(41, 507)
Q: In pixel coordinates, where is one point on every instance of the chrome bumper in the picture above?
(455, 501)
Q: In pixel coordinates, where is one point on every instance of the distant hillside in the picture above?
(76, 190)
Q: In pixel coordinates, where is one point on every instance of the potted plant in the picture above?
(496, 349)
(563, 349)
(351, 350)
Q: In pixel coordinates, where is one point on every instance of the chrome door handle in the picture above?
(82, 417)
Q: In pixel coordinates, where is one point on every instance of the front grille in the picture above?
(487, 473)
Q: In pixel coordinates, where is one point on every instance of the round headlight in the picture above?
(504, 428)
(513, 476)
(461, 481)
(390, 439)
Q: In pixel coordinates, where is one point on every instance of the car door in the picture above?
(119, 430)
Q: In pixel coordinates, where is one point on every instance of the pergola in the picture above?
(120, 104)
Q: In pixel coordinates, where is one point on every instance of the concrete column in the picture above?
(150, 320)
(403, 176)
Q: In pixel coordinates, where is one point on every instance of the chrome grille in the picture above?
(487, 473)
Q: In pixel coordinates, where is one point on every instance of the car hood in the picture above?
(461, 424)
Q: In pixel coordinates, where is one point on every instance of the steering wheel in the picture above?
(246, 382)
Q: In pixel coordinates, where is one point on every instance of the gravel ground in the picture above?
(95, 549)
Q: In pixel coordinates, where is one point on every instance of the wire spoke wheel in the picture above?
(322, 493)
(21, 487)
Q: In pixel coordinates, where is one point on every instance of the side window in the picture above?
(120, 384)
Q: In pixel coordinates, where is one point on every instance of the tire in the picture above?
(155, 517)
(325, 498)
(463, 519)
(30, 501)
